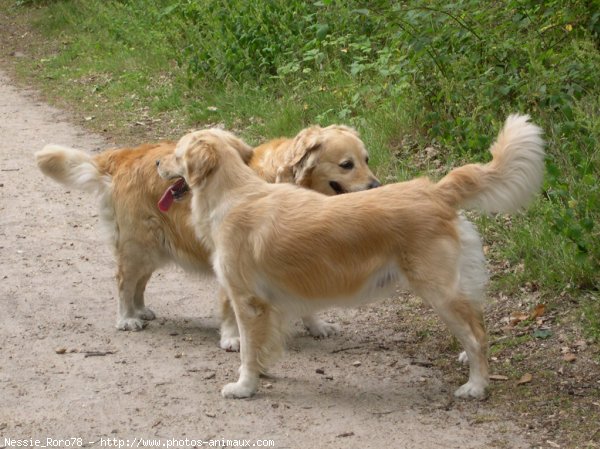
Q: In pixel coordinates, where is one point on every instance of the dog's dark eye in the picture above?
(347, 165)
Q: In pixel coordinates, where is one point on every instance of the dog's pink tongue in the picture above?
(166, 200)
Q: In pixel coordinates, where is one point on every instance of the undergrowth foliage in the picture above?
(409, 74)
(465, 64)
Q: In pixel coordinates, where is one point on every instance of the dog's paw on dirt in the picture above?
(475, 390)
(230, 344)
(131, 324)
(146, 314)
(237, 390)
(319, 328)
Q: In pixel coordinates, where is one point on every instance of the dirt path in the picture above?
(57, 291)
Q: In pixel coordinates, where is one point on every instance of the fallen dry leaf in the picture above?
(538, 311)
(517, 317)
(569, 357)
(525, 379)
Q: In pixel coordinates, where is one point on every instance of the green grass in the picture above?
(591, 317)
(509, 343)
(407, 75)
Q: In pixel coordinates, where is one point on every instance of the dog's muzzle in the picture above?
(374, 184)
(337, 187)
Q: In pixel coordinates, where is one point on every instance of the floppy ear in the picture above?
(303, 156)
(201, 159)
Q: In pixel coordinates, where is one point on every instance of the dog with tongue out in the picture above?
(173, 193)
(147, 218)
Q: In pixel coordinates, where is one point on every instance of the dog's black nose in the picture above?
(374, 184)
(157, 162)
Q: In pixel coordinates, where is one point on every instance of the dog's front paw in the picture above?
(238, 390)
(145, 314)
(463, 358)
(472, 389)
(131, 324)
(319, 328)
(230, 344)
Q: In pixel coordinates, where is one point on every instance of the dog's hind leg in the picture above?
(141, 310)
(261, 338)
(472, 267)
(131, 280)
(230, 335)
(464, 318)
(452, 279)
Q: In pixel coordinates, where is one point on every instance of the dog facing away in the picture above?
(144, 238)
(280, 250)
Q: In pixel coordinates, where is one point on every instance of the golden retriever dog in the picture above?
(330, 160)
(281, 251)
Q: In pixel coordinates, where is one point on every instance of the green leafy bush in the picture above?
(408, 74)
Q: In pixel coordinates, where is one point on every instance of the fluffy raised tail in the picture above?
(73, 168)
(507, 183)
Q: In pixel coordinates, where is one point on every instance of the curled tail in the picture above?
(507, 183)
(73, 168)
